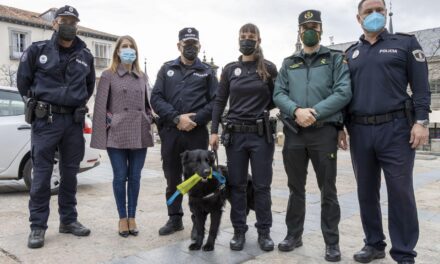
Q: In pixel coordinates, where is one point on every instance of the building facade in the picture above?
(20, 28)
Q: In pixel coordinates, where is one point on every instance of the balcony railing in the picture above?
(102, 62)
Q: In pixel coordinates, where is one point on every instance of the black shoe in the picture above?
(36, 238)
(265, 242)
(290, 243)
(75, 228)
(173, 224)
(237, 241)
(368, 254)
(332, 253)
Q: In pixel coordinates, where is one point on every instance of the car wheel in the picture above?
(54, 180)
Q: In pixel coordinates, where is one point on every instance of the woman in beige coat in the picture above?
(122, 125)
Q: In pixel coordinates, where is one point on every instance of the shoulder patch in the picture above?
(404, 34)
(419, 55)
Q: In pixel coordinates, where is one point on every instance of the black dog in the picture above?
(207, 197)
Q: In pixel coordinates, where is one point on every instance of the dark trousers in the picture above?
(386, 147)
(67, 136)
(127, 165)
(247, 147)
(320, 146)
(173, 143)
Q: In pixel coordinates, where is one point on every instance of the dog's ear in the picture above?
(184, 156)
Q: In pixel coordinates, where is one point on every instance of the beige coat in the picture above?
(124, 96)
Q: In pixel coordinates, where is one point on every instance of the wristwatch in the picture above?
(424, 123)
(176, 120)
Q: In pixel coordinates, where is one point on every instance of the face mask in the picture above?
(374, 22)
(311, 37)
(127, 55)
(67, 32)
(190, 52)
(247, 46)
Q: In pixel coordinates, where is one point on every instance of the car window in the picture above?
(11, 103)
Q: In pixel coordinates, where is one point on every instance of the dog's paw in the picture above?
(208, 247)
(195, 246)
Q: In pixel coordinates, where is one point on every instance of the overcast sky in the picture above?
(155, 23)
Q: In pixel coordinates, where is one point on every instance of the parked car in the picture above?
(15, 142)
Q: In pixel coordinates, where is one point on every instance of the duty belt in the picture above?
(319, 124)
(377, 119)
(244, 128)
(59, 109)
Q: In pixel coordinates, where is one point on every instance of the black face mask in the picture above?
(67, 32)
(190, 52)
(247, 46)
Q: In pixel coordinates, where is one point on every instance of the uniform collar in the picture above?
(322, 50)
(198, 65)
(121, 70)
(383, 35)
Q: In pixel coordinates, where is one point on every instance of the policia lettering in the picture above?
(314, 140)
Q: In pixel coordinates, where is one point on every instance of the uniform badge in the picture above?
(70, 9)
(43, 59)
(308, 15)
(419, 55)
(355, 54)
(324, 61)
(170, 73)
(237, 72)
(189, 30)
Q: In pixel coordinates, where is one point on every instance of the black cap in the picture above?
(309, 16)
(188, 33)
(67, 11)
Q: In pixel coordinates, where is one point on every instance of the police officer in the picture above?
(311, 89)
(182, 97)
(248, 84)
(383, 130)
(58, 74)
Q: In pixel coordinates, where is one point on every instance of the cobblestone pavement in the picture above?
(97, 210)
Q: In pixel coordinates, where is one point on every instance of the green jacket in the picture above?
(324, 85)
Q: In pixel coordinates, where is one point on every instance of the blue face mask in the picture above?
(374, 22)
(127, 55)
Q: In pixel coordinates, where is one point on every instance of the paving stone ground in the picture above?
(97, 210)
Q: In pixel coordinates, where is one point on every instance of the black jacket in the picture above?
(41, 72)
(180, 90)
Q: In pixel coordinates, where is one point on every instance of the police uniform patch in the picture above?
(308, 15)
(70, 9)
(43, 59)
(419, 55)
(170, 73)
(189, 30)
(237, 72)
(324, 61)
(355, 54)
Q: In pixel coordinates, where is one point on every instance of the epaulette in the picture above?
(88, 51)
(335, 50)
(207, 65)
(40, 43)
(351, 46)
(230, 64)
(169, 62)
(404, 34)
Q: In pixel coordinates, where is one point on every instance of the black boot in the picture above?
(75, 228)
(173, 224)
(332, 253)
(368, 254)
(290, 243)
(237, 241)
(265, 242)
(36, 238)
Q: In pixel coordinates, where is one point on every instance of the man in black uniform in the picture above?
(313, 87)
(386, 125)
(182, 97)
(57, 77)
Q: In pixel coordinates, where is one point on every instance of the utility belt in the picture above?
(40, 109)
(378, 119)
(265, 126)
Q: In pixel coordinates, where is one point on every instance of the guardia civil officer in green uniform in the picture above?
(312, 87)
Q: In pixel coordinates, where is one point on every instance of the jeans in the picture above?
(127, 165)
